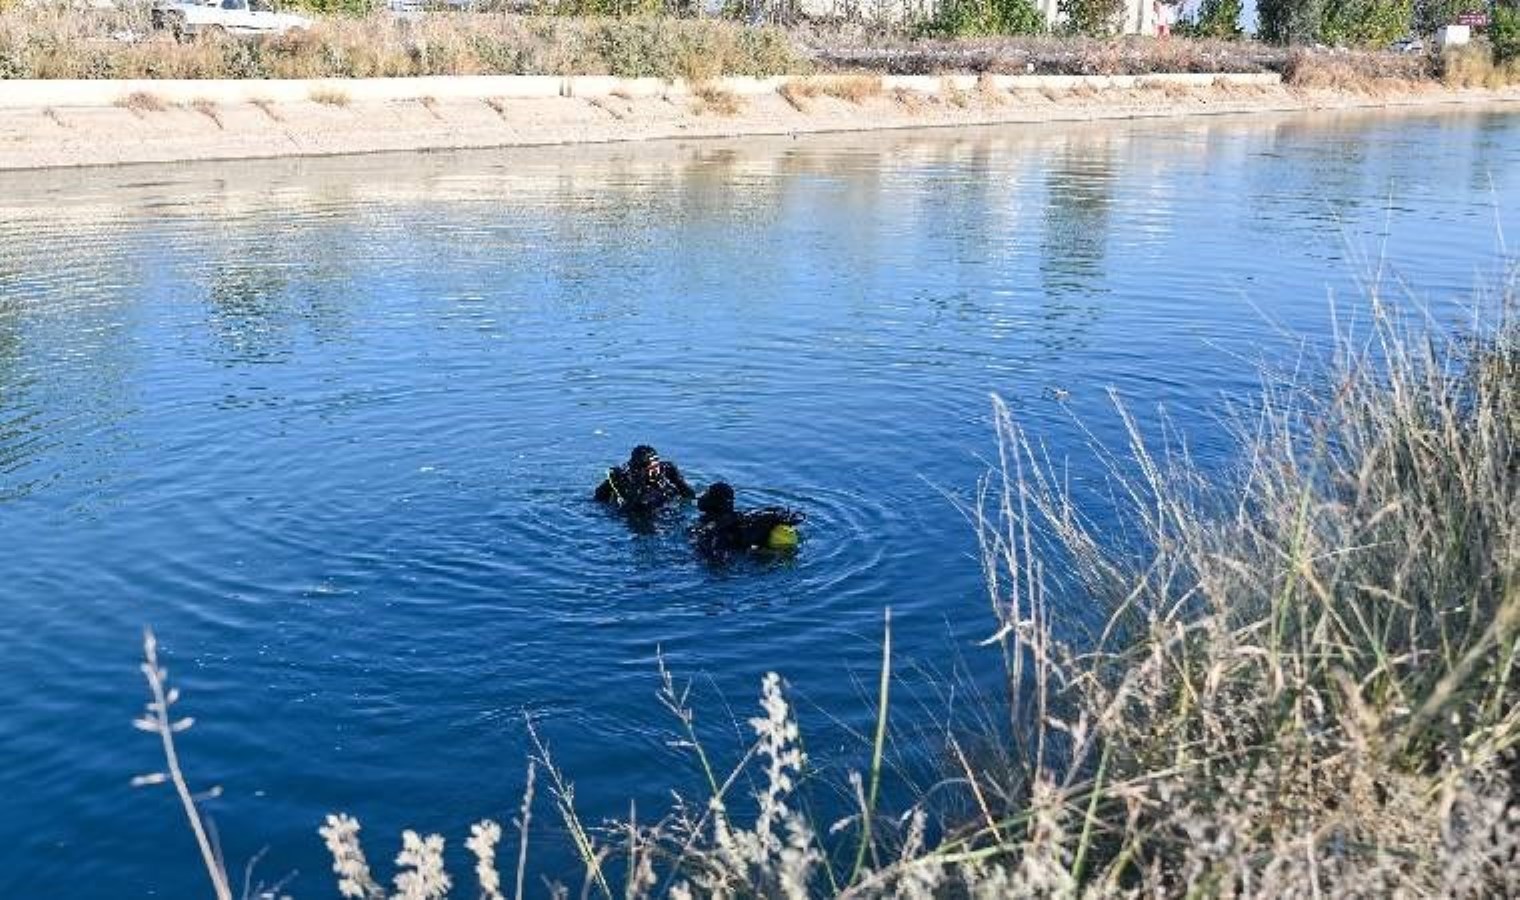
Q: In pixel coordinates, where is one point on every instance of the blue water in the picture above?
(330, 426)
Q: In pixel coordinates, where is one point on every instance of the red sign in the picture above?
(1473, 19)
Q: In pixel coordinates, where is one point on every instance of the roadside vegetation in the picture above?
(1294, 677)
(666, 39)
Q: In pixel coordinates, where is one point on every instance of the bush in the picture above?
(1289, 21)
(1505, 34)
(1217, 19)
(354, 8)
(1094, 18)
(1365, 23)
(1432, 14)
(985, 18)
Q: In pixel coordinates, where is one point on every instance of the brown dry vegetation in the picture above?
(62, 43)
(1473, 66)
(330, 97)
(849, 88)
(142, 102)
(1372, 75)
(708, 98)
(267, 108)
(44, 43)
(208, 109)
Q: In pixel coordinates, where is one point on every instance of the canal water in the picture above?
(330, 427)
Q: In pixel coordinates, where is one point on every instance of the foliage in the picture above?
(984, 18)
(1094, 18)
(1364, 23)
(354, 8)
(1217, 19)
(1289, 21)
(609, 8)
(1432, 14)
(1505, 34)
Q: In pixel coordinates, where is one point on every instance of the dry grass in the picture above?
(854, 89)
(607, 107)
(1473, 66)
(58, 43)
(209, 109)
(267, 108)
(329, 97)
(850, 88)
(1372, 75)
(953, 95)
(796, 93)
(1235, 90)
(989, 92)
(140, 102)
(709, 98)
(912, 101)
(1168, 89)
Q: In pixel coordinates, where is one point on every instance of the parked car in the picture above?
(1407, 45)
(188, 19)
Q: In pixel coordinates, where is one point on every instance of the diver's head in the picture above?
(718, 498)
(643, 459)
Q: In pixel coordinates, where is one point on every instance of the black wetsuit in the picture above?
(721, 534)
(641, 491)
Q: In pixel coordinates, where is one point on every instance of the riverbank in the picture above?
(50, 124)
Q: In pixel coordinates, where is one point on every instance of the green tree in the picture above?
(1218, 19)
(1289, 21)
(1505, 32)
(1432, 14)
(337, 7)
(1095, 18)
(1365, 23)
(983, 18)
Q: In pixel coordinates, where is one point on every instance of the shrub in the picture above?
(1505, 34)
(329, 97)
(354, 8)
(982, 18)
(142, 102)
(1094, 18)
(1432, 14)
(1364, 23)
(1289, 21)
(1217, 19)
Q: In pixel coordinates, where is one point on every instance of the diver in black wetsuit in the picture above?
(643, 484)
(723, 531)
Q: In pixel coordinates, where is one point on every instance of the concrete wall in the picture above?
(23, 94)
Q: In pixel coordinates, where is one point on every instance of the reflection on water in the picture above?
(329, 426)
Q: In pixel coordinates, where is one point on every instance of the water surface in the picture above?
(330, 426)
